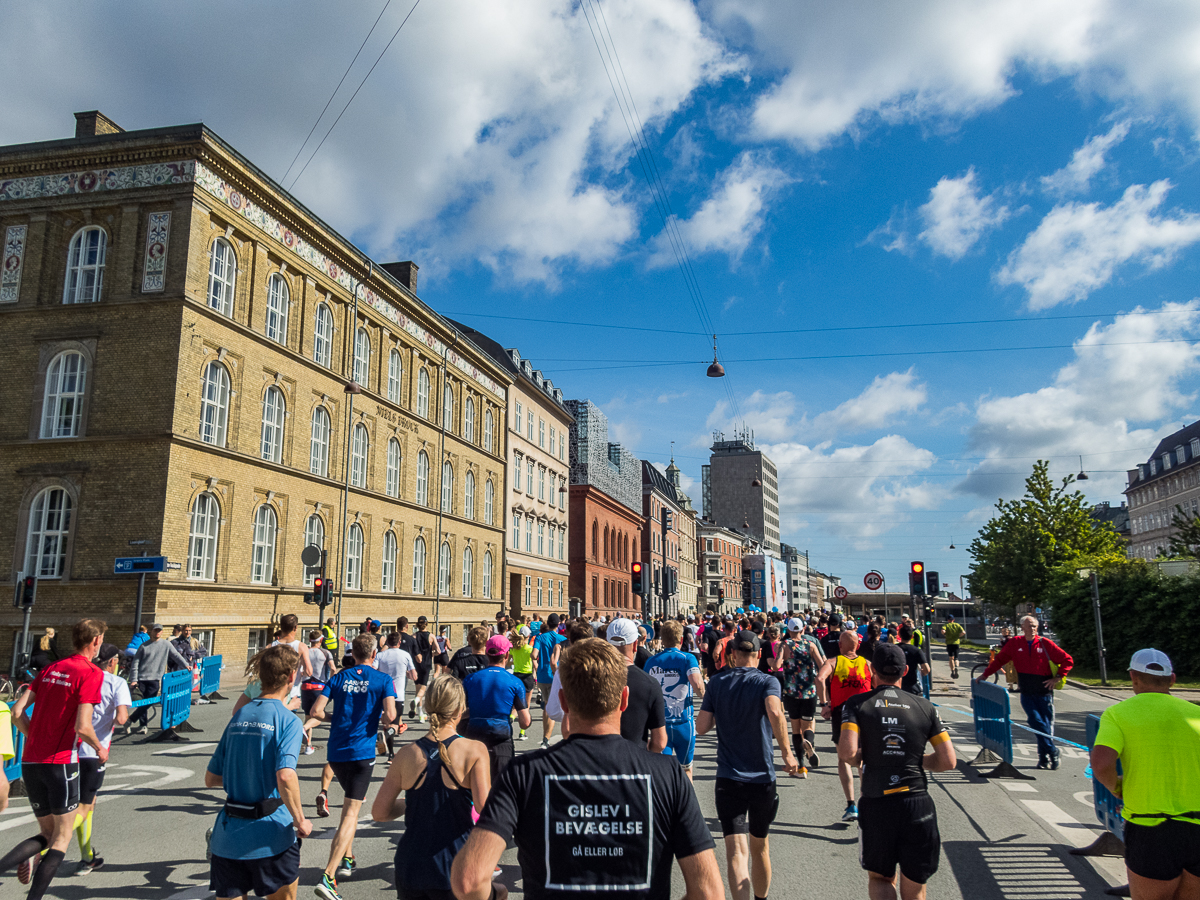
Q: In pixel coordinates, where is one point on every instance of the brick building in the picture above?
(721, 552)
(689, 600)
(1163, 486)
(199, 362)
(660, 542)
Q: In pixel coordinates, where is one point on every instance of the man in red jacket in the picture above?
(1031, 656)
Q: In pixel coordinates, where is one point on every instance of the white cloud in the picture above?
(956, 216)
(1078, 246)
(768, 415)
(1087, 162)
(878, 405)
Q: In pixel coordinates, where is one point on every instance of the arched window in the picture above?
(606, 543)
(362, 357)
(85, 265)
(358, 456)
(418, 586)
(422, 478)
(202, 541)
(393, 468)
(62, 408)
(354, 557)
(395, 375)
(222, 276)
(469, 495)
(318, 448)
(489, 502)
(314, 536)
(323, 336)
(274, 409)
(278, 301)
(262, 568)
(49, 526)
(448, 408)
(468, 573)
(487, 430)
(486, 584)
(387, 578)
(595, 541)
(214, 404)
(469, 420)
(447, 487)
(423, 394)
(444, 561)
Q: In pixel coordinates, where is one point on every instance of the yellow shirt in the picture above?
(1158, 738)
(7, 751)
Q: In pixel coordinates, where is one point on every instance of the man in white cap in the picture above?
(1156, 738)
(645, 716)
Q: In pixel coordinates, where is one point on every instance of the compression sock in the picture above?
(811, 737)
(83, 834)
(389, 741)
(798, 746)
(44, 874)
(27, 848)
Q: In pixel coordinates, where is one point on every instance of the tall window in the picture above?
(488, 430)
(541, 538)
(468, 572)
(323, 335)
(85, 265)
(423, 394)
(395, 375)
(489, 502)
(278, 301)
(552, 439)
(469, 420)
(262, 568)
(448, 408)
(49, 526)
(517, 427)
(314, 536)
(541, 483)
(516, 471)
(469, 495)
(387, 578)
(516, 525)
(529, 475)
(354, 557)
(418, 586)
(447, 487)
(362, 357)
(272, 425)
(550, 541)
(422, 478)
(214, 404)
(529, 534)
(393, 468)
(444, 569)
(62, 408)
(202, 541)
(542, 433)
(222, 276)
(318, 448)
(487, 575)
(358, 456)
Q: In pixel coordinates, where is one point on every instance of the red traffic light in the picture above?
(636, 567)
(918, 567)
(317, 582)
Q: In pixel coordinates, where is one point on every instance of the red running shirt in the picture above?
(59, 689)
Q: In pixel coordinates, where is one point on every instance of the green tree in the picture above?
(1021, 552)
(1185, 541)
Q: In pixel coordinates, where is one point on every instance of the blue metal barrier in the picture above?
(992, 713)
(926, 684)
(210, 675)
(1108, 805)
(176, 698)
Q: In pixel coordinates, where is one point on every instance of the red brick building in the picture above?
(605, 537)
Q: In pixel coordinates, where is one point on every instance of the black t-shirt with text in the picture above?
(464, 662)
(915, 659)
(596, 814)
(646, 709)
(893, 728)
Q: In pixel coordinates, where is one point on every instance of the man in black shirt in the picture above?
(612, 814)
(914, 659)
(830, 646)
(886, 730)
(423, 641)
(644, 716)
(470, 658)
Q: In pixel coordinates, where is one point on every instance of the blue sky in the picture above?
(850, 180)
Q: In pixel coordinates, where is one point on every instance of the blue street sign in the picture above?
(137, 565)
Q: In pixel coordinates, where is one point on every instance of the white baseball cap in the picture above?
(524, 631)
(1151, 662)
(622, 632)
(794, 624)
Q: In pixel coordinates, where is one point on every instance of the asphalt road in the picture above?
(1002, 840)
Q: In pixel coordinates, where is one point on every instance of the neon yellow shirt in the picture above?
(7, 751)
(953, 633)
(522, 658)
(1158, 738)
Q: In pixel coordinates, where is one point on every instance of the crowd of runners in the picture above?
(612, 803)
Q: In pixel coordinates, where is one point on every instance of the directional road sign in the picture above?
(137, 565)
(873, 581)
(840, 592)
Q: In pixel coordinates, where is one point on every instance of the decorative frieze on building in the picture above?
(608, 467)
(94, 180)
(158, 233)
(14, 262)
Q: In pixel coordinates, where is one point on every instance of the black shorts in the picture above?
(527, 680)
(354, 776)
(836, 718)
(310, 690)
(1163, 852)
(442, 659)
(899, 830)
(423, 673)
(952, 651)
(53, 788)
(91, 778)
(800, 708)
(745, 807)
(265, 876)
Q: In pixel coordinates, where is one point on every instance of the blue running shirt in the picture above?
(670, 669)
(545, 643)
(357, 695)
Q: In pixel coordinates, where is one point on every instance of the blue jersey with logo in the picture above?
(357, 694)
(670, 669)
(545, 643)
(492, 694)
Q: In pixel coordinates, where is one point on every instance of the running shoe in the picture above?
(145, 729)
(309, 750)
(1043, 764)
(545, 744)
(25, 869)
(322, 805)
(851, 813)
(811, 752)
(90, 865)
(328, 888)
(347, 867)
(422, 717)
(803, 773)
(1054, 761)
(498, 872)
(521, 736)
(954, 674)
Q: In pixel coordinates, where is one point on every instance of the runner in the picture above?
(323, 667)
(848, 674)
(69, 691)
(521, 656)
(643, 718)
(800, 659)
(577, 630)
(492, 694)
(7, 751)
(831, 640)
(953, 633)
(545, 661)
(640, 809)
(678, 676)
(361, 695)
(397, 665)
(728, 629)
(914, 659)
(112, 710)
(409, 645)
(426, 651)
(885, 731)
(744, 704)
(469, 658)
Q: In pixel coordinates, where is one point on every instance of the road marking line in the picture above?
(1085, 797)
(18, 822)
(186, 748)
(1076, 833)
(1020, 787)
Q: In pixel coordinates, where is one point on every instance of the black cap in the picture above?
(889, 660)
(552, 621)
(834, 620)
(107, 652)
(746, 641)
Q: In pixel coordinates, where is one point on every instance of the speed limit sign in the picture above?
(840, 592)
(873, 581)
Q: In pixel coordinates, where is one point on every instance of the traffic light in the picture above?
(720, 593)
(916, 579)
(928, 616)
(322, 588)
(29, 590)
(635, 576)
(933, 584)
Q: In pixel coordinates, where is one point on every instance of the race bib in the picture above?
(599, 830)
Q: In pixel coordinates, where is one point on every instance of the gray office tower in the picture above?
(741, 489)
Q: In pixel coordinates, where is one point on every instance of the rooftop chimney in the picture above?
(404, 272)
(94, 122)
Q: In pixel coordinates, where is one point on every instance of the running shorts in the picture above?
(745, 807)
(53, 788)
(544, 692)
(310, 690)
(354, 776)
(899, 830)
(836, 718)
(526, 679)
(91, 778)
(1163, 852)
(800, 708)
(423, 673)
(264, 876)
(681, 741)
(952, 651)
